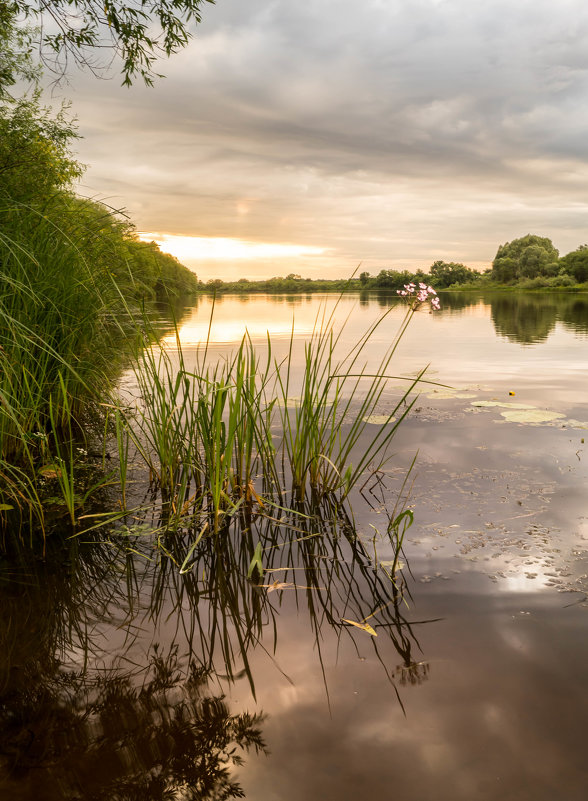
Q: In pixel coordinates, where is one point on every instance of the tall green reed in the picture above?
(225, 437)
(204, 434)
(338, 397)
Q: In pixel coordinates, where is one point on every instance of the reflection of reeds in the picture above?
(311, 557)
(209, 619)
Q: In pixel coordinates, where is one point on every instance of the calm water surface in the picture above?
(133, 681)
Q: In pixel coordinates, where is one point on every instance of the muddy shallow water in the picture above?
(122, 679)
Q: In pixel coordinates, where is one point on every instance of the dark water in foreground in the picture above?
(122, 679)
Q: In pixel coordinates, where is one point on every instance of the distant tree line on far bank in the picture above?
(531, 262)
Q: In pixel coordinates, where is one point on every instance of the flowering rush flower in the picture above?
(419, 294)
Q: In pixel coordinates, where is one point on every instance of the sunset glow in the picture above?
(223, 248)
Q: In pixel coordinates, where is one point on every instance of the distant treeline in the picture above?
(531, 262)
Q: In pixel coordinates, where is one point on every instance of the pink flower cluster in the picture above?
(419, 295)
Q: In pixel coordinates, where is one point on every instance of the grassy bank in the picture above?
(74, 281)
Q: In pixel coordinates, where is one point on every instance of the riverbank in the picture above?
(77, 289)
(301, 286)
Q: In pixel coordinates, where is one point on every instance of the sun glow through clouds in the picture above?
(222, 248)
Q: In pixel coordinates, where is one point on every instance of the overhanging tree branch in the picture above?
(138, 32)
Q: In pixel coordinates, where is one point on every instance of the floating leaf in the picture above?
(291, 400)
(277, 585)
(391, 564)
(378, 419)
(294, 401)
(362, 626)
(576, 424)
(531, 416)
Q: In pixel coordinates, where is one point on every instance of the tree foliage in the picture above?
(576, 263)
(444, 274)
(35, 160)
(15, 52)
(528, 257)
(137, 31)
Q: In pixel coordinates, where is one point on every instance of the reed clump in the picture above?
(249, 431)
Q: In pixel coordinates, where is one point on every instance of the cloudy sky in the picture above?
(310, 137)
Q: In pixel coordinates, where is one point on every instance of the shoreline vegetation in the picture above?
(530, 263)
(81, 298)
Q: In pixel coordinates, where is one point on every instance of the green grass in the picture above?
(219, 440)
(225, 438)
(71, 281)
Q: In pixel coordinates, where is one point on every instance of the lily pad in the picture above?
(531, 415)
(291, 400)
(576, 423)
(378, 419)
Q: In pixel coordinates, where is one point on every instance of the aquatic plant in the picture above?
(225, 437)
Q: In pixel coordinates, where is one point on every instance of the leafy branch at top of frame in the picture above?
(138, 32)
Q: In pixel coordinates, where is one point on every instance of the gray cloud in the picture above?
(385, 131)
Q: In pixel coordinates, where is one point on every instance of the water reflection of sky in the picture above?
(488, 653)
(460, 346)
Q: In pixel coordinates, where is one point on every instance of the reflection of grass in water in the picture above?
(311, 557)
(139, 721)
(71, 726)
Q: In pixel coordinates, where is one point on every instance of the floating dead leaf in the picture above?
(362, 626)
(277, 585)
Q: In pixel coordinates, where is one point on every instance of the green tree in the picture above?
(15, 52)
(392, 279)
(576, 264)
(527, 257)
(444, 274)
(136, 31)
(34, 150)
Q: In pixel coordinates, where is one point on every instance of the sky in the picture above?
(314, 137)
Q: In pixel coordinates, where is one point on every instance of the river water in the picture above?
(123, 679)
